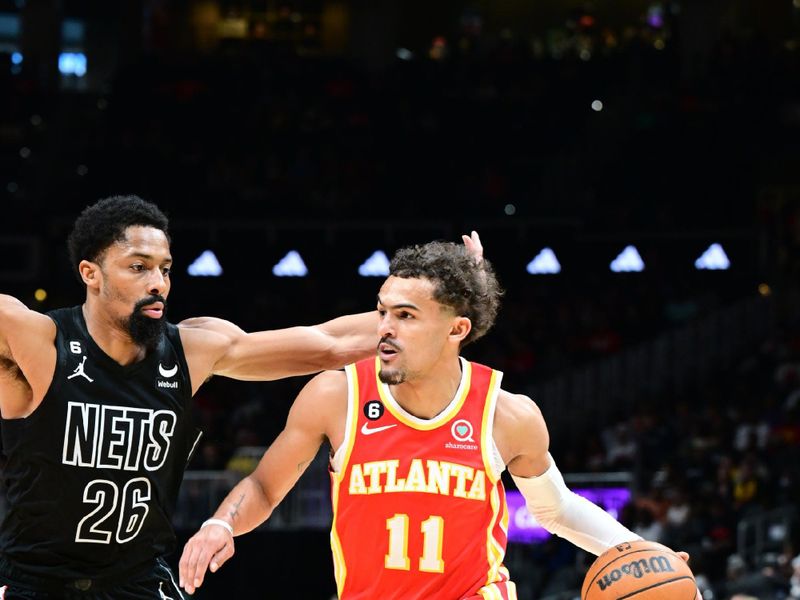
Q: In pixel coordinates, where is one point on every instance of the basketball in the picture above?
(639, 570)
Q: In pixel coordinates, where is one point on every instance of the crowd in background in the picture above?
(495, 122)
(724, 451)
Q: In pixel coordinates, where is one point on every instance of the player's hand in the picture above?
(474, 246)
(209, 548)
(685, 556)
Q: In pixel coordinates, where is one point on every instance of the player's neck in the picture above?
(427, 395)
(110, 337)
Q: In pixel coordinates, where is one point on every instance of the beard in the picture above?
(392, 377)
(146, 331)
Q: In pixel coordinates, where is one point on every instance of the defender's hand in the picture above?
(474, 246)
(209, 548)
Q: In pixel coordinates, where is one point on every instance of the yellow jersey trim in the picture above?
(339, 564)
(426, 424)
(487, 426)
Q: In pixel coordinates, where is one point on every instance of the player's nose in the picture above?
(157, 283)
(386, 326)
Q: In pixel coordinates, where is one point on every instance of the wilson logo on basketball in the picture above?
(637, 569)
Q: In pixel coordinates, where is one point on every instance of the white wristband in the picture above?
(219, 522)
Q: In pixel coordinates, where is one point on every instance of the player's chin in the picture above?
(391, 376)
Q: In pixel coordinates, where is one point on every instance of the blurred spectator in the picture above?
(794, 590)
(621, 447)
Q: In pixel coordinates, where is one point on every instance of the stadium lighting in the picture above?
(628, 261)
(713, 259)
(544, 263)
(205, 265)
(72, 63)
(377, 265)
(291, 265)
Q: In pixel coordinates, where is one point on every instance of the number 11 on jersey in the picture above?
(432, 530)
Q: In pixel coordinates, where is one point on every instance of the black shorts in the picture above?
(154, 583)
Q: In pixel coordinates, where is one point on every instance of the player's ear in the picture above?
(460, 329)
(90, 273)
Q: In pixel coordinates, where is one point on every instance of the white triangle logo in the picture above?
(291, 265)
(544, 263)
(628, 261)
(713, 259)
(377, 265)
(205, 265)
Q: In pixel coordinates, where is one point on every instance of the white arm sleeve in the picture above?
(570, 516)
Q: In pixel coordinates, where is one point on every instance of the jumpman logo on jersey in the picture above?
(161, 592)
(79, 371)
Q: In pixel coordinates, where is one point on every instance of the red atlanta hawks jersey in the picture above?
(419, 510)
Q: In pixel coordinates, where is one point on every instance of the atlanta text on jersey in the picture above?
(437, 478)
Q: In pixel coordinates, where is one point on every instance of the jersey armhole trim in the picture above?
(59, 372)
(488, 447)
(341, 456)
(173, 335)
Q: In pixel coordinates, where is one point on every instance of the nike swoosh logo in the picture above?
(167, 372)
(367, 431)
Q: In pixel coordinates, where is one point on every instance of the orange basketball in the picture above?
(639, 570)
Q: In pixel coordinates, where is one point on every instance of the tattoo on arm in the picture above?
(233, 513)
(301, 466)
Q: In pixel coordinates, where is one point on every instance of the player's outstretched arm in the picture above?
(218, 347)
(322, 400)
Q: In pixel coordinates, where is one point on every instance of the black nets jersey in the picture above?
(92, 476)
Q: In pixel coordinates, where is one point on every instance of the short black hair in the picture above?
(104, 223)
(470, 288)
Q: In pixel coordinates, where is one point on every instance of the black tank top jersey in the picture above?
(92, 476)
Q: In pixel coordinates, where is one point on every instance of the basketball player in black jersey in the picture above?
(95, 401)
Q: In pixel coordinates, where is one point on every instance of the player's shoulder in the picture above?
(23, 325)
(322, 401)
(14, 311)
(327, 383)
(208, 331)
(519, 427)
(516, 406)
(213, 325)
(517, 414)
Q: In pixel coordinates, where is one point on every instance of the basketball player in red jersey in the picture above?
(419, 437)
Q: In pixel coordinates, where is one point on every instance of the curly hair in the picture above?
(471, 289)
(104, 223)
